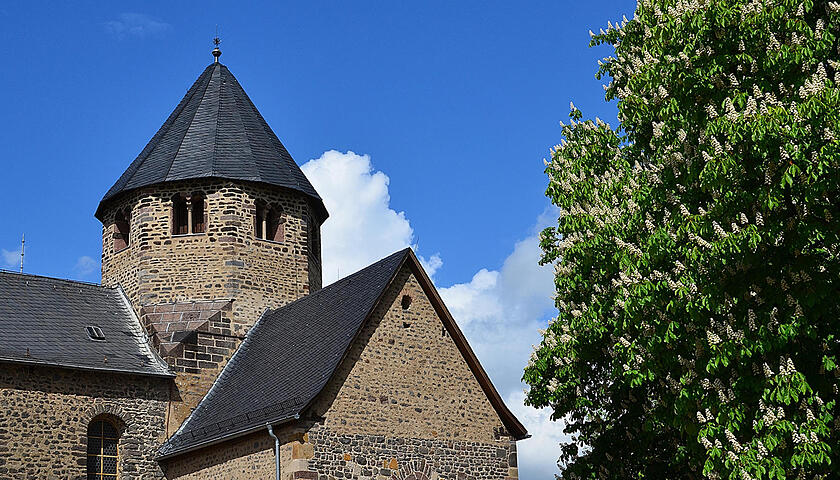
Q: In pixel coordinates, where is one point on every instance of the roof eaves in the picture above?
(229, 436)
(74, 366)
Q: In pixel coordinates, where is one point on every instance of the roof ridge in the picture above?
(162, 131)
(333, 285)
(84, 283)
(187, 130)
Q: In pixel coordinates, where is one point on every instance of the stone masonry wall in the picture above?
(45, 412)
(195, 339)
(223, 263)
(248, 458)
(405, 401)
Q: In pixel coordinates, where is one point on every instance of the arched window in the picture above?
(122, 229)
(102, 450)
(196, 205)
(268, 223)
(188, 214)
(180, 224)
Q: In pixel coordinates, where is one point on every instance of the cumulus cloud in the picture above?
(135, 25)
(539, 454)
(10, 259)
(500, 312)
(85, 266)
(500, 308)
(362, 227)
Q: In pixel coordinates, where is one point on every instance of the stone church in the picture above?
(210, 350)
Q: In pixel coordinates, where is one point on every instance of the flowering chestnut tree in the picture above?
(697, 251)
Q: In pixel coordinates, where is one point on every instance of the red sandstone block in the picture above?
(197, 326)
(184, 307)
(308, 475)
(171, 317)
(164, 308)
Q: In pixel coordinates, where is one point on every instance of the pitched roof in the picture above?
(43, 322)
(215, 131)
(292, 352)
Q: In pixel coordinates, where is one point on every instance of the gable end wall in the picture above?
(405, 400)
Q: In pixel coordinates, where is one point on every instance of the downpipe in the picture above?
(276, 451)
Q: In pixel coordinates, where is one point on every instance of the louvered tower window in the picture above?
(102, 450)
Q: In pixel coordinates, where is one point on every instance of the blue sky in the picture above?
(448, 107)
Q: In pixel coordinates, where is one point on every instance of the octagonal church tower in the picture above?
(209, 226)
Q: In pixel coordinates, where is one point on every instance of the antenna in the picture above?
(22, 245)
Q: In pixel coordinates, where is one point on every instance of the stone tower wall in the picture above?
(197, 295)
(226, 262)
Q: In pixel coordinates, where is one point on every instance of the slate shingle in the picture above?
(43, 321)
(215, 131)
(286, 359)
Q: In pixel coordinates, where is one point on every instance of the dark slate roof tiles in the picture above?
(43, 321)
(286, 359)
(215, 131)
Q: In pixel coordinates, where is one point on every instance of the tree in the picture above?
(697, 249)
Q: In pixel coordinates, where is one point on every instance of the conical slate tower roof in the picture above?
(215, 132)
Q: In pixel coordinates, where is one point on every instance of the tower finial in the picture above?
(216, 41)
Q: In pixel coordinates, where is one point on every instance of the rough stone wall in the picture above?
(382, 457)
(405, 400)
(45, 412)
(225, 262)
(248, 458)
(403, 406)
(195, 339)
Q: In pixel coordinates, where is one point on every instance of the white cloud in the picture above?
(10, 259)
(500, 312)
(135, 25)
(499, 309)
(85, 266)
(537, 455)
(362, 227)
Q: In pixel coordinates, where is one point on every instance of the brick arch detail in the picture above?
(414, 470)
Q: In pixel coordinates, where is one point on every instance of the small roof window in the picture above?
(95, 333)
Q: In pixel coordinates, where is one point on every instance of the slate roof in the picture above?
(215, 131)
(285, 360)
(289, 355)
(43, 320)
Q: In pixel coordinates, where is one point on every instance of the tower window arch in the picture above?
(122, 229)
(197, 220)
(180, 226)
(188, 214)
(103, 457)
(269, 222)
